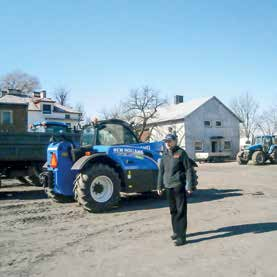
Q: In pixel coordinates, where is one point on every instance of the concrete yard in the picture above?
(232, 231)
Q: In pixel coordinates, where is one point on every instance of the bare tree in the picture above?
(61, 95)
(246, 108)
(142, 105)
(20, 81)
(268, 121)
(115, 112)
(80, 108)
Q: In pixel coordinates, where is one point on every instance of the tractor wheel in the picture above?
(240, 160)
(32, 180)
(194, 179)
(273, 158)
(97, 188)
(258, 158)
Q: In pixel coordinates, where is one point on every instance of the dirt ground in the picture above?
(232, 231)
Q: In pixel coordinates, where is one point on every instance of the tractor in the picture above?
(109, 160)
(264, 149)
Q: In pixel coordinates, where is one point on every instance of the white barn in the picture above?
(203, 125)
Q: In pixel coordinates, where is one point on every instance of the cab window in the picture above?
(114, 134)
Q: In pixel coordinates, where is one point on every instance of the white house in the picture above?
(203, 125)
(41, 108)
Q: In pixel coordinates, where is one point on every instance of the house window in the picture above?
(67, 116)
(218, 123)
(198, 146)
(227, 145)
(207, 123)
(46, 109)
(7, 117)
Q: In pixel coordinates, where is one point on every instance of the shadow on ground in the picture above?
(152, 201)
(130, 202)
(23, 194)
(224, 232)
(205, 195)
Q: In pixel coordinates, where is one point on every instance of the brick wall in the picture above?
(19, 118)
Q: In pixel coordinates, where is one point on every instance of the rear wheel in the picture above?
(240, 160)
(258, 158)
(97, 188)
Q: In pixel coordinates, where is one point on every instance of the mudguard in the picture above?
(79, 165)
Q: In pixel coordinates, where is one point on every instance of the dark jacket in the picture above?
(174, 169)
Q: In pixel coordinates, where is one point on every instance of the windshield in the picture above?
(259, 140)
(114, 134)
(88, 135)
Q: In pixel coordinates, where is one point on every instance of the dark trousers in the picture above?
(177, 200)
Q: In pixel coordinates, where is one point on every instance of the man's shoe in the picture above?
(174, 236)
(180, 241)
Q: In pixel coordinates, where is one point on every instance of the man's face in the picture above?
(170, 144)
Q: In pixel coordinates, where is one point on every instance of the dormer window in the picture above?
(46, 109)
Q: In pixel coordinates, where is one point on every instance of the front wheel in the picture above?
(273, 157)
(258, 158)
(97, 188)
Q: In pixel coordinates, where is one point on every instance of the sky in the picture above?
(101, 50)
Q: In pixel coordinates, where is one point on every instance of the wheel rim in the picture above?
(260, 158)
(101, 189)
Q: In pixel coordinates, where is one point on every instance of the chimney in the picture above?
(43, 94)
(178, 99)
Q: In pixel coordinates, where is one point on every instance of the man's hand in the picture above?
(160, 192)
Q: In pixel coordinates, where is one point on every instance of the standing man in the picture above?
(173, 176)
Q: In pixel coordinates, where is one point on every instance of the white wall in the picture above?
(196, 131)
(34, 116)
(161, 131)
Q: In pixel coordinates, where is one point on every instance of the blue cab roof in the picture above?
(46, 122)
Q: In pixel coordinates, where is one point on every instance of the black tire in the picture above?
(32, 180)
(258, 158)
(240, 160)
(194, 179)
(23, 180)
(85, 188)
(273, 157)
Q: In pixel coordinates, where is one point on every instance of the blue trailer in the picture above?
(110, 160)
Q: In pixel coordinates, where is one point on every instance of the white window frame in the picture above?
(210, 126)
(229, 149)
(220, 123)
(202, 146)
(11, 116)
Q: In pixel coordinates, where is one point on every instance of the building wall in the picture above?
(196, 131)
(159, 132)
(34, 116)
(19, 118)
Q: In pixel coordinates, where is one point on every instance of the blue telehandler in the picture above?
(109, 160)
(264, 149)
